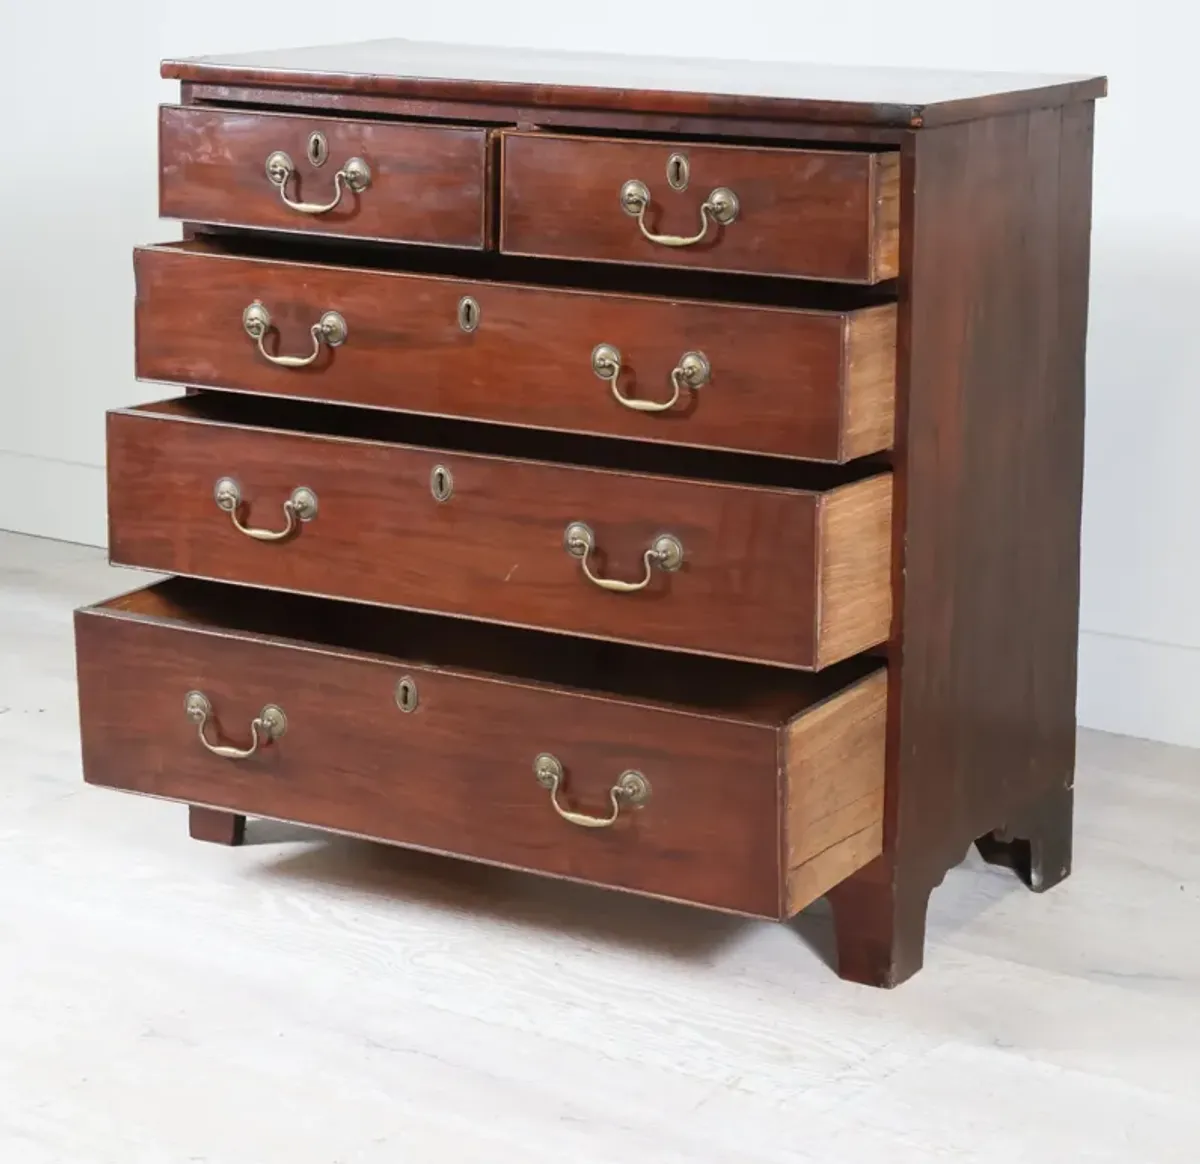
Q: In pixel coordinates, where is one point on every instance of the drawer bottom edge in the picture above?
(449, 853)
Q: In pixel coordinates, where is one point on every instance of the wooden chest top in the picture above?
(608, 81)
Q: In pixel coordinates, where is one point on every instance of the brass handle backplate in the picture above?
(354, 176)
(665, 552)
(631, 788)
(267, 727)
(693, 371)
(720, 208)
(330, 329)
(301, 506)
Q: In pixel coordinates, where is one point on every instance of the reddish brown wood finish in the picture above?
(1035, 840)
(215, 826)
(599, 82)
(816, 214)
(457, 773)
(428, 182)
(767, 784)
(750, 584)
(783, 382)
(993, 337)
(539, 116)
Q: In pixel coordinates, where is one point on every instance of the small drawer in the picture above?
(814, 214)
(329, 501)
(735, 787)
(808, 384)
(319, 175)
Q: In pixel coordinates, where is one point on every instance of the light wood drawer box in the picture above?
(759, 789)
(816, 214)
(752, 568)
(384, 180)
(816, 384)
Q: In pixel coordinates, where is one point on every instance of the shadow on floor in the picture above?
(511, 897)
(516, 898)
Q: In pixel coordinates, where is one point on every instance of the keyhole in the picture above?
(441, 484)
(406, 694)
(468, 313)
(677, 172)
(318, 149)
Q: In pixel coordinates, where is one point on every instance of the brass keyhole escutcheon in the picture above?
(468, 313)
(318, 149)
(678, 172)
(406, 694)
(441, 483)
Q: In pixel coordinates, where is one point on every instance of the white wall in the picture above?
(77, 190)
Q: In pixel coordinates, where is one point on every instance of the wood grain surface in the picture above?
(527, 115)
(869, 416)
(428, 182)
(787, 91)
(856, 543)
(832, 827)
(999, 324)
(993, 324)
(885, 209)
(795, 383)
(749, 585)
(818, 214)
(454, 775)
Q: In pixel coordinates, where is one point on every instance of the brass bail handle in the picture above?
(330, 329)
(632, 789)
(354, 176)
(665, 553)
(267, 727)
(720, 208)
(693, 371)
(299, 507)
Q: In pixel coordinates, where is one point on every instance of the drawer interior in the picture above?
(348, 423)
(705, 685)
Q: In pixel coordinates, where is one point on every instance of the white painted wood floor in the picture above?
(306, 1000)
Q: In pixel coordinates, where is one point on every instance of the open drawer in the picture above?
(816, 383)
(773, 562)
(721, 784)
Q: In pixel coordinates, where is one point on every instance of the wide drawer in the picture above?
(813, 384)
(369, 179)
(742, 788)
(325, 500)
(817, 214)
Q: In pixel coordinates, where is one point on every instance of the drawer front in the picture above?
(806, 384)
(771, 575)
(379, 180)
(457, 774)
(817, 214)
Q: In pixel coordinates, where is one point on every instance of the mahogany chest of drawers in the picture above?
(657, 474)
